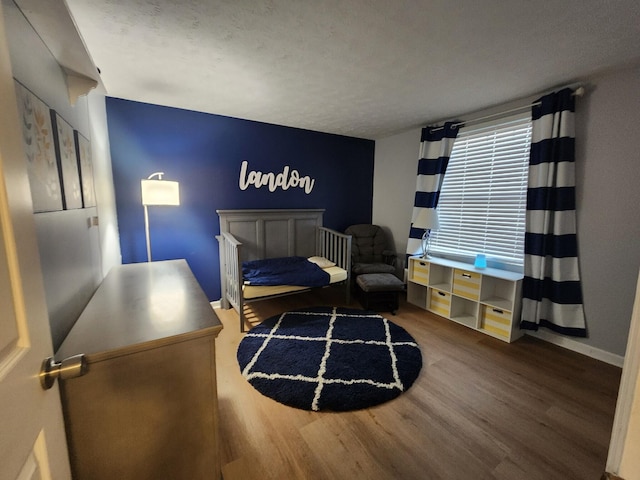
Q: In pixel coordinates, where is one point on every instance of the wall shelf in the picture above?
(487, 300)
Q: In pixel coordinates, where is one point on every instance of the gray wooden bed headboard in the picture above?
(271, 233)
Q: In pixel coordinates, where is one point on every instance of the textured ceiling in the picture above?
(363, 68)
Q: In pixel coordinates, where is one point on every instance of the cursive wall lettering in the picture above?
(285, 179)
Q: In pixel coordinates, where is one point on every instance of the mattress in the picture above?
(336, 274)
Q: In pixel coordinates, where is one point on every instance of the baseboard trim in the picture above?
(215, 304)
(610, 476)
(569, 344)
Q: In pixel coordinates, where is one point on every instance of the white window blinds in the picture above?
(482, 202)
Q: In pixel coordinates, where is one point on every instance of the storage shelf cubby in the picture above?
(464, 311)
(417, 295)
(487, 300)
(439, 277)
(498, 303)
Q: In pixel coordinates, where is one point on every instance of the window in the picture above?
(482, 204)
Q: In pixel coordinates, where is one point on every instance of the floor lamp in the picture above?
(427, 220)
(157, 192)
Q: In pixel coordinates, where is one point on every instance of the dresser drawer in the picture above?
(440, 302)
(420, 272)
(466, 284)
(496, 321)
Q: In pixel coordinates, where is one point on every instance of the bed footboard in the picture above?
(230, 272)
(336, 247)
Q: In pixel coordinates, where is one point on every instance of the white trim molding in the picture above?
(570, 344)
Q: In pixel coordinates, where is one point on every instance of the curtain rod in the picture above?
(579, 92)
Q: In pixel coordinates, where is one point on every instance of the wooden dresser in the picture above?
(147, 406)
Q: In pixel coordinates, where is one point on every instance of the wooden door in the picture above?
(32, 439)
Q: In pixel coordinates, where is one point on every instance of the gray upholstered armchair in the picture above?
(370, 250)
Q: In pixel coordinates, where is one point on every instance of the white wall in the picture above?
(608, 172)
(74, 256)
(34, 67)
(394, 186)
(608, 197)
(103, 178)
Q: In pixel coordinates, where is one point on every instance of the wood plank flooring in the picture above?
(480, 409)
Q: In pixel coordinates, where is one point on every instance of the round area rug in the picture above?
(329, 358)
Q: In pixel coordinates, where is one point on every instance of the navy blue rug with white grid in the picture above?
(329, 358)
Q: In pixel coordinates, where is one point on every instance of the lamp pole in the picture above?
(146, 231)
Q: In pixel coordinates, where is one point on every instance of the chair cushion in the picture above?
(379, 282)
(363, 268)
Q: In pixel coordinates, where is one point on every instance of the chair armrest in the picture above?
(389, 257)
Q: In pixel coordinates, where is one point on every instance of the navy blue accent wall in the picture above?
(204, 153)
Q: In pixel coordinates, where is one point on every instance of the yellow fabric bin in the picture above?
(440, 302)
(466, 284)
(420, 272)
(496, 321)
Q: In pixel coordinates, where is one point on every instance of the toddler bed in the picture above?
(279, 237)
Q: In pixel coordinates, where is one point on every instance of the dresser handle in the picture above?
(466, 275)
(498, 311)
(442, 294)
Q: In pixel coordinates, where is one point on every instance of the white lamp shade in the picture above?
(160, 192)
(427, 219)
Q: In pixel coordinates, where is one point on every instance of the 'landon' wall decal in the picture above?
(285, 179)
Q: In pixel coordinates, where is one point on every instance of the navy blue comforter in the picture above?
(284, 271)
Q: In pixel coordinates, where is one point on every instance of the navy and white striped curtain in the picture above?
(436, 144)
(551, 290)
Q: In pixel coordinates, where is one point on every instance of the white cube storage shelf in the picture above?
(487, 300)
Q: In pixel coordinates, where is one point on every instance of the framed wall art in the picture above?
(39, 146)
(85, 165)
(67, 162)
